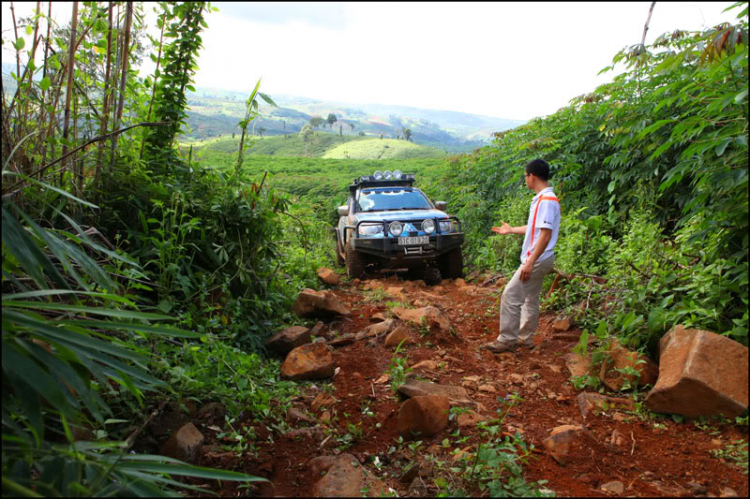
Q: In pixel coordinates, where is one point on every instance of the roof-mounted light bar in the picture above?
(386, 176)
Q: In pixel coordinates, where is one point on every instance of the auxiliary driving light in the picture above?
(428, 226)
(378, 175)
(395, 228)
(397, 175)
(388, 175)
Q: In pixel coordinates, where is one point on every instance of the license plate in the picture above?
(408, 241)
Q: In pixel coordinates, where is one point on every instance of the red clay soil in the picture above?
(655, 460)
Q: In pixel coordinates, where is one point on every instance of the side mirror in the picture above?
(440, 205)
(343, 211)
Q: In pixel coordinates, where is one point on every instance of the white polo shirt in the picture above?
(544, 213)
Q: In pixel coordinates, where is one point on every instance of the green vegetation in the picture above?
(652, 174)
(381, 149)
(219, 151)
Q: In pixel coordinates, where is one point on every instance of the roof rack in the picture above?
(406, 180)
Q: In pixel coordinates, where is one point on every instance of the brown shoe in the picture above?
(497, 347)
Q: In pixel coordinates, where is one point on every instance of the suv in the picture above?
(388, 223)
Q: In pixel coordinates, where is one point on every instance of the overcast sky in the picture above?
(508, 60)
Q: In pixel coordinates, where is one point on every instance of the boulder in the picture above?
(183, 443)
(318, 303)
(328, 276)
(375, 329)
(311, 361)
(343, 476)
(460, 283)
(396, 292)
(423, 416)
(560, 440)
(435, 319)
(395, 337)
(455, 394)
(288, 339)
(700, 374)
(578, 365)
(561, 324)
(620, 357)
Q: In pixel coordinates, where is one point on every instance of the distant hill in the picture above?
(381, 149)
(215, 112)
(223, 150)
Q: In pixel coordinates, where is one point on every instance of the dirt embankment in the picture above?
(648, 457)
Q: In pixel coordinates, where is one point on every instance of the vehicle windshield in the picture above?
(392, 199)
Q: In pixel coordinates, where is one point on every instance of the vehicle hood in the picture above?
(379, 216)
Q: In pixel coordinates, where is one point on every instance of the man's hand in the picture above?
(526, 270)
(504, 229)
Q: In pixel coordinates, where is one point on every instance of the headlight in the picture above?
(378, 175)
(370, 230)
(428, 226)
(446, 226)
(395, 228)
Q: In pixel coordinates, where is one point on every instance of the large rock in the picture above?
(375, 329)
(700, 374)
(561, 440)
(433, 317)
(288, 339)
(398, 335)
(318, 303)
(311, 361)
(578, 365)
(456, 395)
(183, 443)
(423, 416)
(343, 476)
(620, 357)
(328, 276)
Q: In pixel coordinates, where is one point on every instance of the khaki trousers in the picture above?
(519, 306)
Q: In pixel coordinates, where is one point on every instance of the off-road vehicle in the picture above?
(387, 223)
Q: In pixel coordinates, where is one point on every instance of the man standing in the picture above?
(519, 306)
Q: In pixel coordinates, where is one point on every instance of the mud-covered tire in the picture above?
(431, 276)
(451, 264)
(355, 263)
(339, 259)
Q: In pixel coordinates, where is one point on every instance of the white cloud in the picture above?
(510, 60)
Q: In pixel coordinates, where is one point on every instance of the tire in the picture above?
(339, 259)
(355, 263)
(432, 276)
(451, 264)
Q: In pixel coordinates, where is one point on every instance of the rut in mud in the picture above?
(621, 454)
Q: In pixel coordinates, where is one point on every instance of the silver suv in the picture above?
(387, 223)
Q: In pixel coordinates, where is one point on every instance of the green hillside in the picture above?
(382, 149)
(223, 150)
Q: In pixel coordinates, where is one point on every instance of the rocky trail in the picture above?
(349, 434)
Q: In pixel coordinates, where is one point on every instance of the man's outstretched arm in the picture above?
(507, 229)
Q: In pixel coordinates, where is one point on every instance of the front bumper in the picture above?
(390, 249)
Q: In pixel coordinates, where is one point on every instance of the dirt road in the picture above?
(649, 457)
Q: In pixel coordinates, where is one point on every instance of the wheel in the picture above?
(355, 262)
(451, 264)
(339, 258)
(432, 276)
